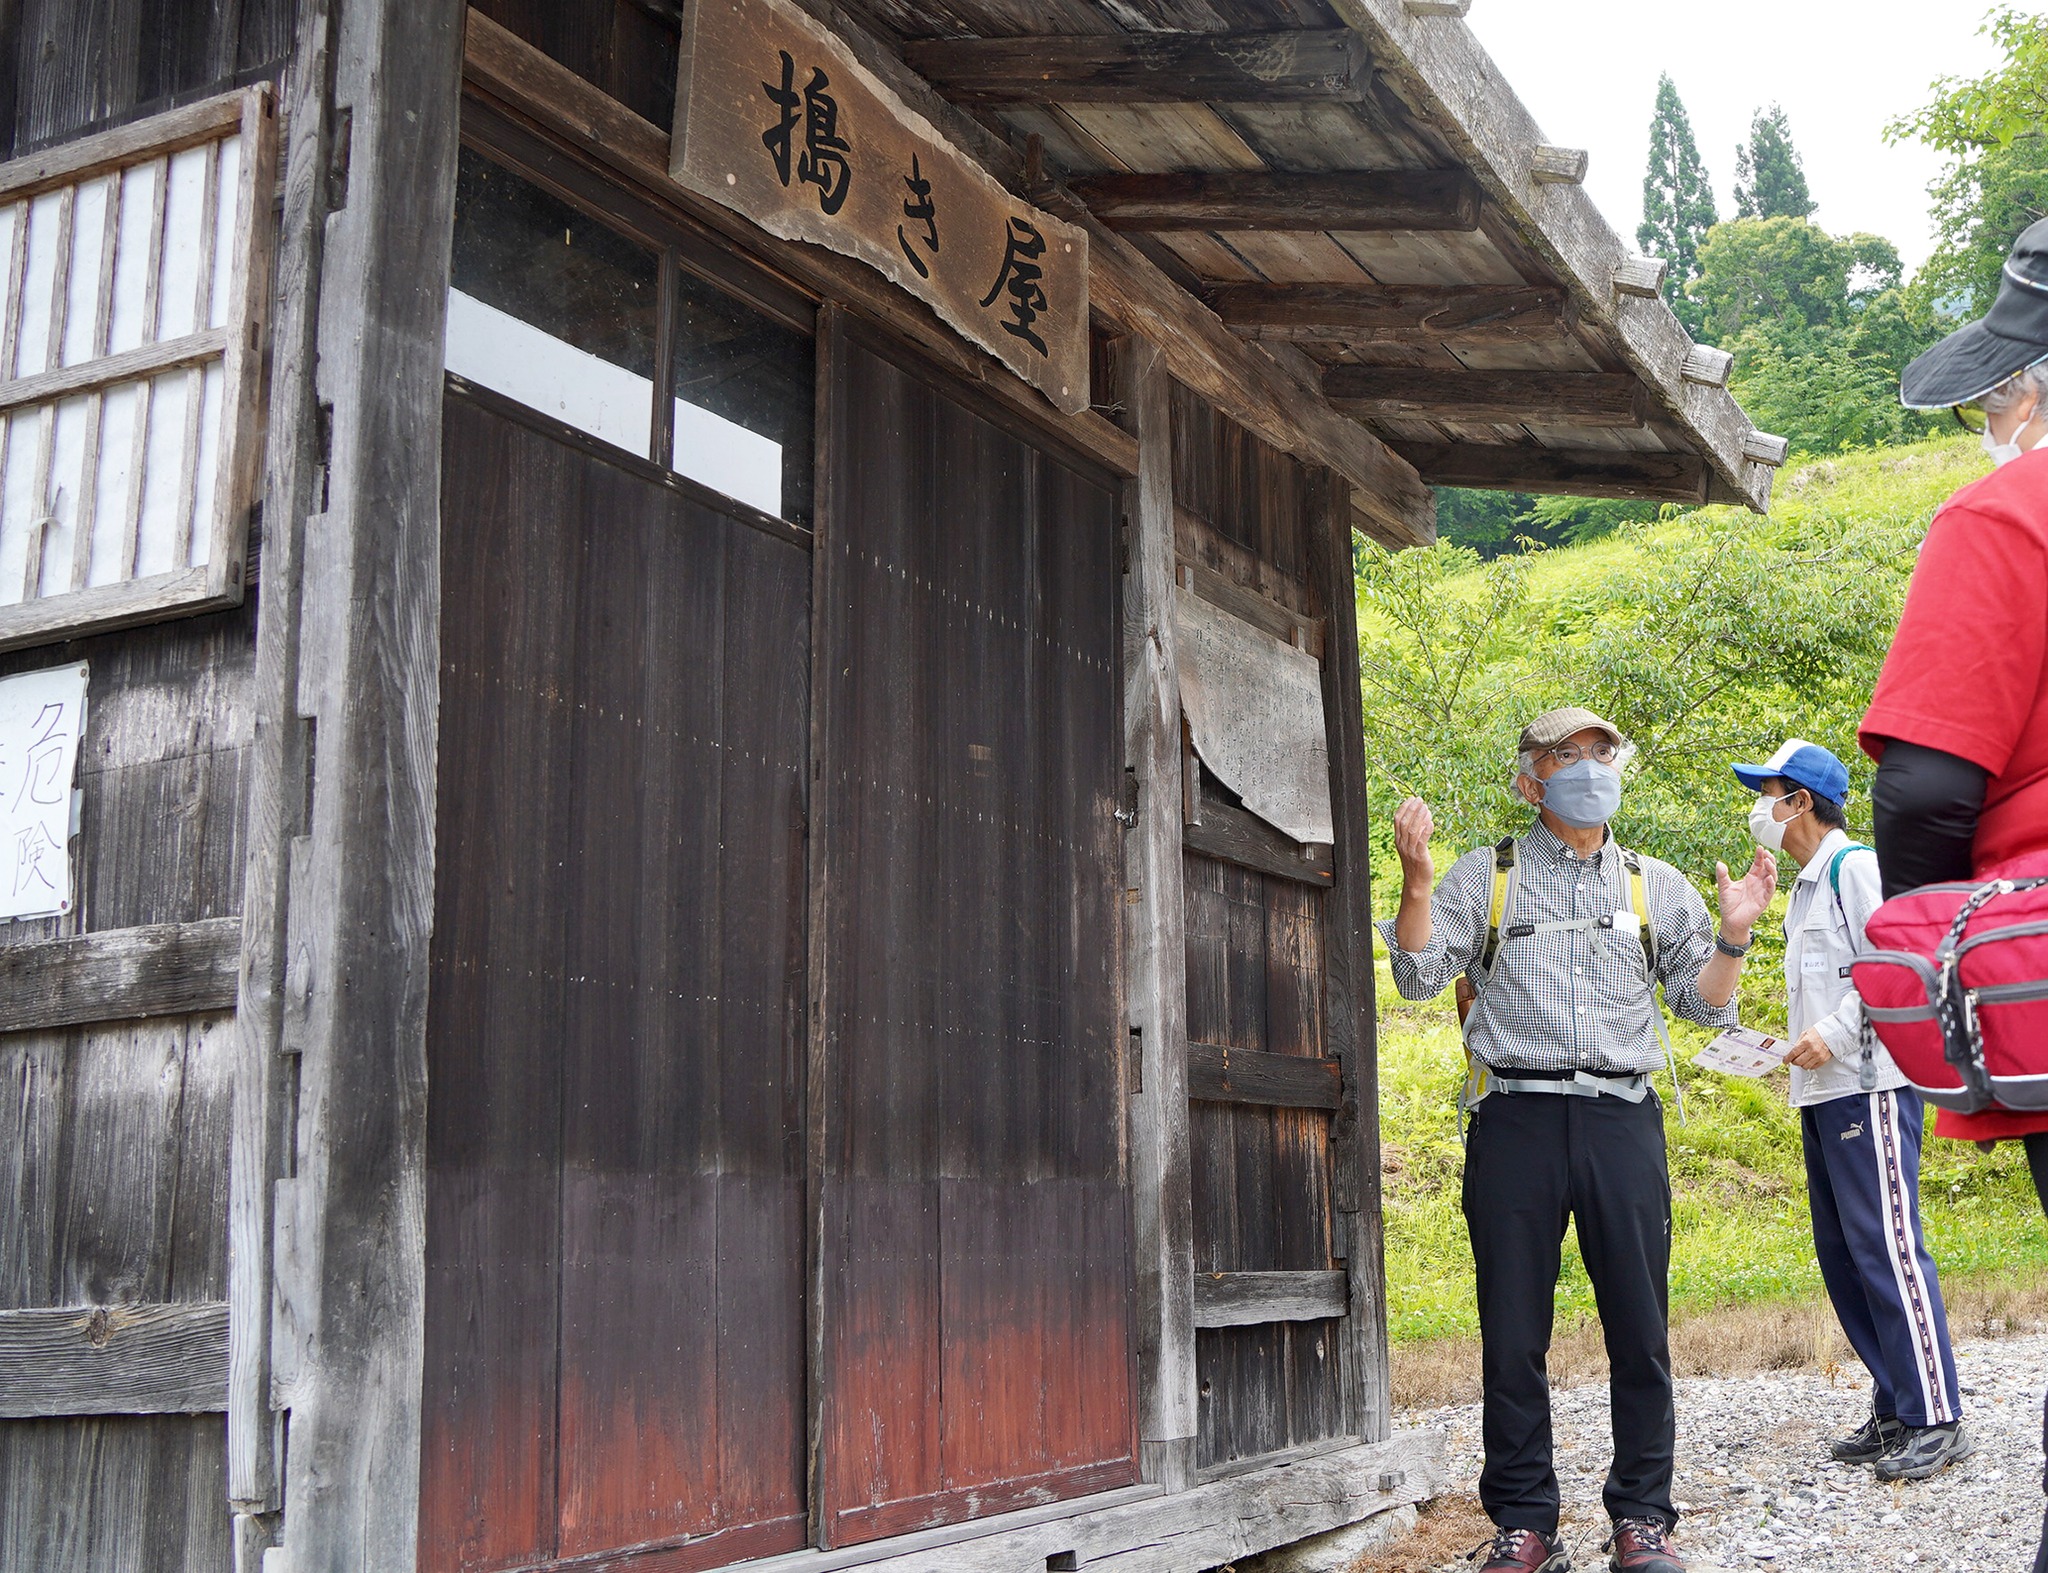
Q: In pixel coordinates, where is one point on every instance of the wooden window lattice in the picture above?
(137, 275)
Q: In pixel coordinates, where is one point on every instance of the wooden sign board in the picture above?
(776, 120)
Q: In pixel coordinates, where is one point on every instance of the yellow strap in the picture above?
(1639, 899)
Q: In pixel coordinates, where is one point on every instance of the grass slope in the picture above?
(1741, 1234)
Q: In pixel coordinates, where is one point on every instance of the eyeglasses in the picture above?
(1965, 414)
(1601, 753)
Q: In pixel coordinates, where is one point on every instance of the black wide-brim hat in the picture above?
(2008, 339)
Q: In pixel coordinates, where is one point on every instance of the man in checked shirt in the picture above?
(1567, 1024)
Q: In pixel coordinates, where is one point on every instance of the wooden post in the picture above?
(1349, 1006)
(1156, 952)
(351, 1257)
(277, 791)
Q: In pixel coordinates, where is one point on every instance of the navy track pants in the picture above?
(1863, 1182)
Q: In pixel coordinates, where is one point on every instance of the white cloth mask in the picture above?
(1768, 830)
(2002, 453)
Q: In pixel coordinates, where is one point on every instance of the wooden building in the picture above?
(715, 900)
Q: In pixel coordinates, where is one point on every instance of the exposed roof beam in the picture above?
(1555, 398)
(1411, 199)
(1591, 472)
(1146, 68)
(1441, 72)
(1413, 314)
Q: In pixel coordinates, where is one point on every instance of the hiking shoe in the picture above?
(1523, 1551)
(1921, 1451)
(1868, 1442)
(1641, 1545)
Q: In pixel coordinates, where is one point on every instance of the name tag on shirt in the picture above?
(1813, 963)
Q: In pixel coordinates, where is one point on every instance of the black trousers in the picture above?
(1532, 1161)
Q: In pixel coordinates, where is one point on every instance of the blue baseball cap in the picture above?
(1804, 764)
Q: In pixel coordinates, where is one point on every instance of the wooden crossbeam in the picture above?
(1147, 68)
(1411, 314)
(1556, 398)
(1253, 1299)
(162, 969)
(1591, 472)
(1414, 199)
(146, 1359)
(1252, 1076)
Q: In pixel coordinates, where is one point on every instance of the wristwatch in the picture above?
(1727, 949)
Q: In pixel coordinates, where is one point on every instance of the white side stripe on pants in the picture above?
(1901, 1229)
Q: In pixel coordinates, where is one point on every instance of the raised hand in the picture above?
(1413, 826)
(1743, 900)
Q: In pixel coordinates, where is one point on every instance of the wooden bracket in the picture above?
(1559, 166)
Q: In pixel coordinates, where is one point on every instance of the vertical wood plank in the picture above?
(1347, 953)
(1161, 1207)
(370, 679)
(277, 779)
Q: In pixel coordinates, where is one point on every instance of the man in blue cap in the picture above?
(1860, 1124)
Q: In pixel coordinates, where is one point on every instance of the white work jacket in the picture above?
(1822, 933)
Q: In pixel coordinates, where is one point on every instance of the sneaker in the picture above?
(1641, 1545)
(1868, 1442)
(1925, 1450)
(1523, 1551)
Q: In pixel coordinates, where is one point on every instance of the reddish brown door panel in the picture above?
(975, 1289)
(615, 1245)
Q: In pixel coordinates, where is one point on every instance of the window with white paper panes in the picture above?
(137, 269)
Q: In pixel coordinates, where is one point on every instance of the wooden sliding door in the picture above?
(974, 1295)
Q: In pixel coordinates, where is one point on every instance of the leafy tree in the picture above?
(1678, 201)
(1784, 269)
(1993, 111)
(1820, 326)
(1770, 181)
(1494, 524)
(1996, 130)
(1980, 205)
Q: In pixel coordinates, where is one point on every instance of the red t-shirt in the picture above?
(1968, 674)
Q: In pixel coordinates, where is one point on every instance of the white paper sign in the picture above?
(42, 717)
(1743, 1051)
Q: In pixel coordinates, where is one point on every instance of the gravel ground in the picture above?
(1759, 1492)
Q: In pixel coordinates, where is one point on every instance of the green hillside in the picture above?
(1710, 635)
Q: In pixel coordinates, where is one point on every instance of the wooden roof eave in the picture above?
(1438, 66)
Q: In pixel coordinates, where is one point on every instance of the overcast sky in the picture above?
(1588, 70)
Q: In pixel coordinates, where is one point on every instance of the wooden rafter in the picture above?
(1395, 314)
(1146, 68)
(1555, 398)
(1593, 472)
(1377, 200)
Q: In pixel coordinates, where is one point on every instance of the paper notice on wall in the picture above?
(1743, 1051)
(42, 717)
(1255, 708)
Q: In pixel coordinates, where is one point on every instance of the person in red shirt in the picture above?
(1959, 722)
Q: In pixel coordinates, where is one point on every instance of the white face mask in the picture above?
(1768, 830)
(1999, 452)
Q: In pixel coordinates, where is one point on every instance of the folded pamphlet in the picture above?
(1743, 1051)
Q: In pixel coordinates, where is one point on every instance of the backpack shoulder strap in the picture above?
(1639, 903)
(1505, 858)
(1835, 865)
(1835, 875)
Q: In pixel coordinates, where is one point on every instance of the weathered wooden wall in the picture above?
(72, 66)
(1273, 1074)
(625, 48)
(113, 1198)
(114, 1193)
